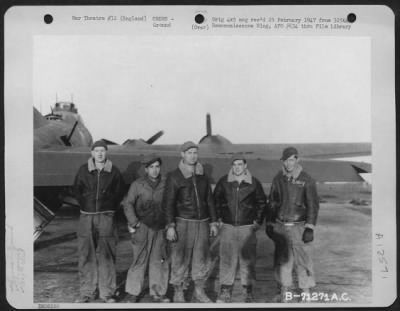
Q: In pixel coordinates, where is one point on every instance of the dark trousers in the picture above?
(97, 249)
(191, 250)
(148, 251)
(237, 246)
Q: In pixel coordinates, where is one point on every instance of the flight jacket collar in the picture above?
(293, 175)
(198, 169)
(107, 166)
(247, 176)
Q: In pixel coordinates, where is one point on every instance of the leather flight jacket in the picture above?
(240, 204)
(293, 200)
(143, 203)
(98, 190)
(188, 198)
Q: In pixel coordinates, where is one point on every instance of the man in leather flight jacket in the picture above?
(240, 203)
(189, 209)
(291, 218)
(99, 188)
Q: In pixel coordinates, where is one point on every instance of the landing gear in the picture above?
(42, 217)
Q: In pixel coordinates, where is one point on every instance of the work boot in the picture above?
(84, 299)
(160, 298)
(178, 293)
(87, 298)
(305, 295)
(199, 293)
(281, 295)
(248, 291)
(131, 298)
(225, 295)
(109, 299)
(286, 295)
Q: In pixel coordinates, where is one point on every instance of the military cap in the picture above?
(288, 152)
(238, 156)
(188, 145)
(150, 159)
(99, 143)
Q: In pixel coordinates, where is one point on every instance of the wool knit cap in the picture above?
(99, 143)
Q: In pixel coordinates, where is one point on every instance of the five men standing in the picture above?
(182, 212)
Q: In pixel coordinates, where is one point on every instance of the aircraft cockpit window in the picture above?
(53, 117)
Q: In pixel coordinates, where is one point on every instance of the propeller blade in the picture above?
(208, 129)
(67, 139)
(153, 138)
(73, 130)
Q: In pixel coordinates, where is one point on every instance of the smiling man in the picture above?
(189, 210)
(99, 187)
(291, 218)
(240, 203)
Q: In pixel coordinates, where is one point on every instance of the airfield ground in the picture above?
(342, 254)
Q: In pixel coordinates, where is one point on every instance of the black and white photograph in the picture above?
(200, 155)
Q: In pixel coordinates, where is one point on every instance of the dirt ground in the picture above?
(342, 256)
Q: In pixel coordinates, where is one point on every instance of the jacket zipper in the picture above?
(97, 190)
(237, 204)
(197, 196)
(287, 207)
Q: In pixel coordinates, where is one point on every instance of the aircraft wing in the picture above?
(58, 167)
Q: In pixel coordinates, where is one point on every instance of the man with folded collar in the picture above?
(291, 218)
(98, 187)
(189, 208)
(240, 203)
(146, 223)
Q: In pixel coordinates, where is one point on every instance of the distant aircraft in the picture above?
(62, 143)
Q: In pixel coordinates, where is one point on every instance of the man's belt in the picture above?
(96, 213)
(290, 223)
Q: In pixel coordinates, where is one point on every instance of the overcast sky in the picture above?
(258, 89)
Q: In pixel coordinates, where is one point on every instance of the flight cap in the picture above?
(238, 156)
(149, 159)
(288, 152)
(99, 143)
(188, 145)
